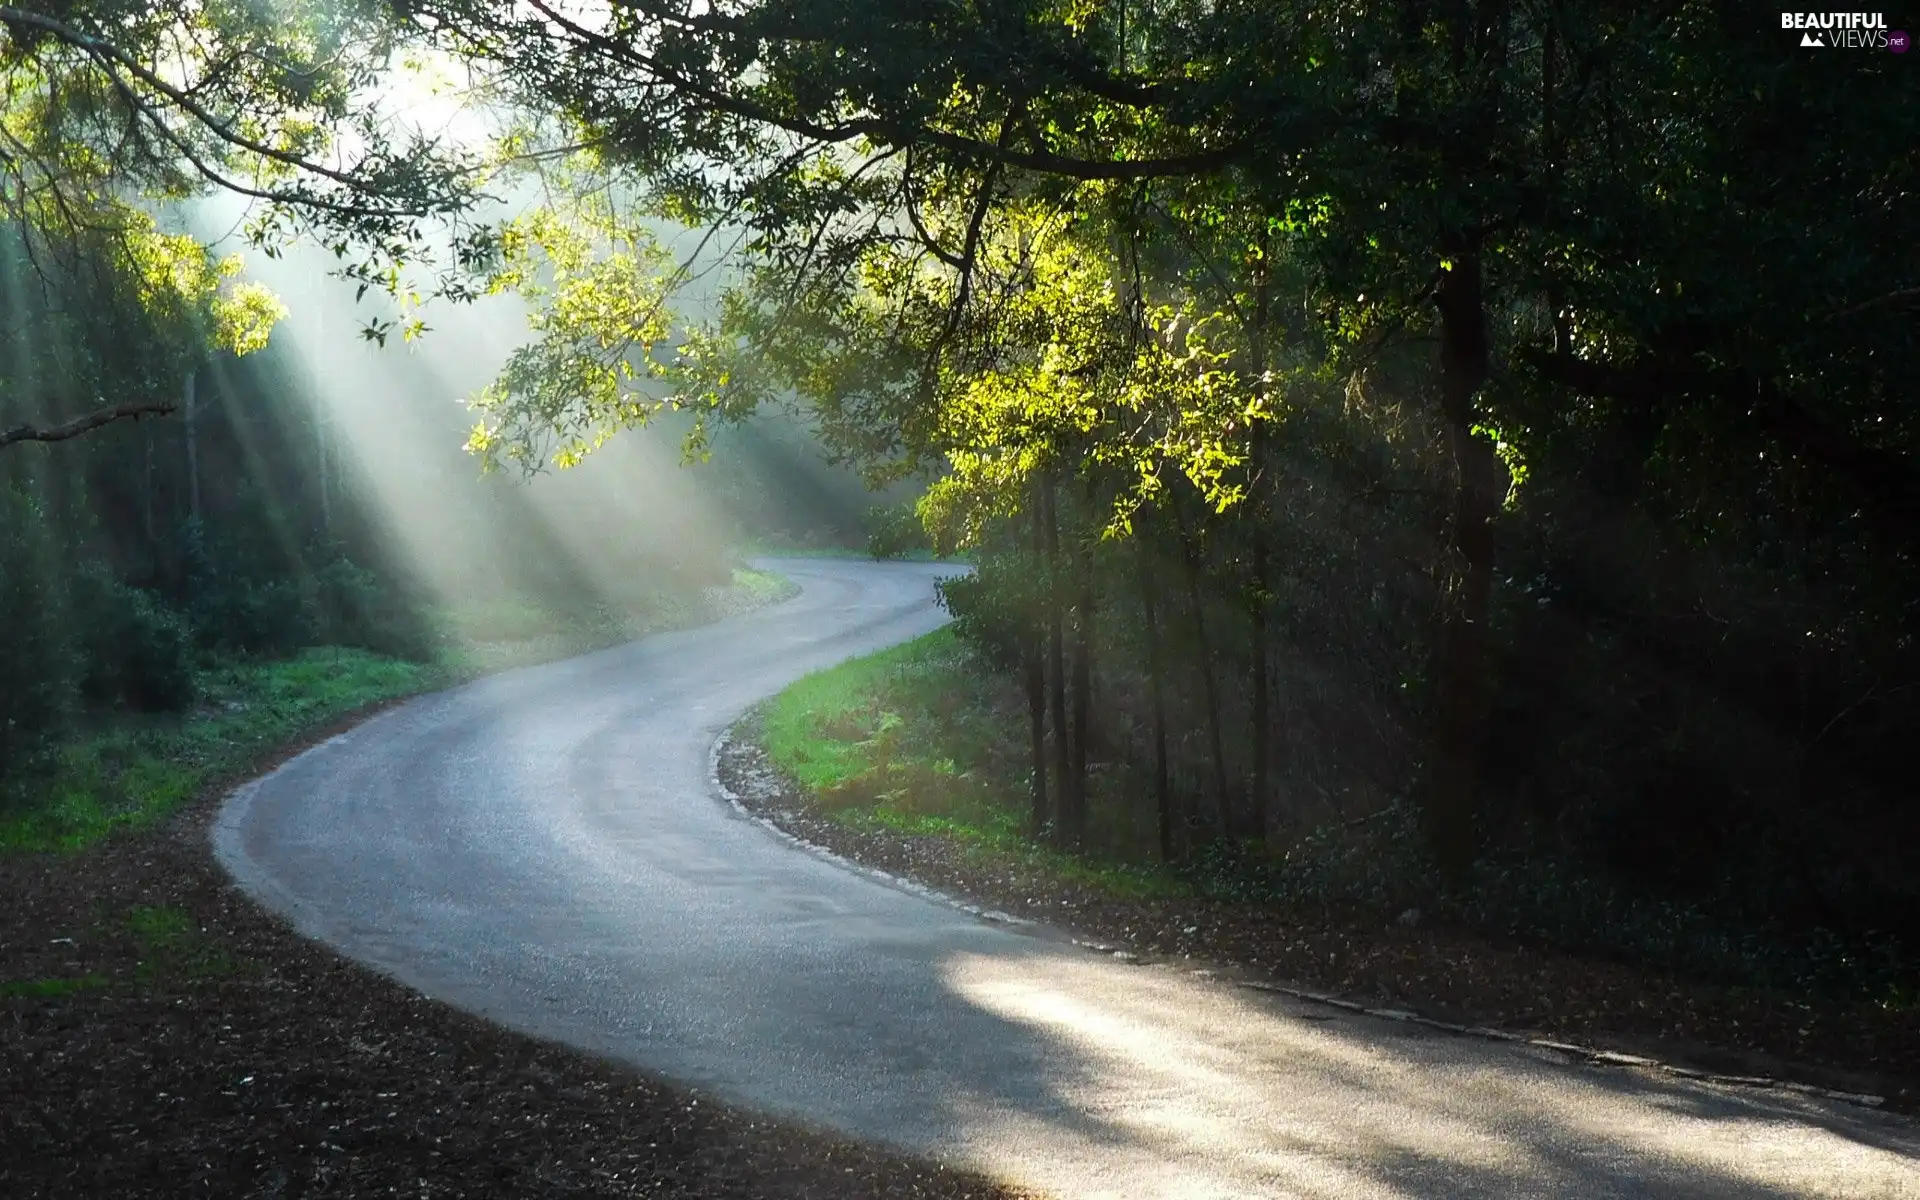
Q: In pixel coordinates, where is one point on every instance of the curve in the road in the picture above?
(544, 847)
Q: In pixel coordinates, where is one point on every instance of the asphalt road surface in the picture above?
(545, 847)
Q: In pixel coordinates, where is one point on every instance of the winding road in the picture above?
(545, 847)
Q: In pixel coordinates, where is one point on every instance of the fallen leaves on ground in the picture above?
(203, 1049)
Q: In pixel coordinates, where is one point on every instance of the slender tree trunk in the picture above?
(1056, 665)
(192, 411)
(1157, 690)
(1034, 662)
(1034, 666)
(323, 436)
(1461, 692)
(1216, 748)
(326, 482)
(1076, 820)
(1257, 600)
(1258, 668)
(147, 522)
(326, 496)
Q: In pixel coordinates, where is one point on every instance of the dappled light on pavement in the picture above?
(1193, 1088)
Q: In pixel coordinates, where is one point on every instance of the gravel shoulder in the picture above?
(1594, 1009)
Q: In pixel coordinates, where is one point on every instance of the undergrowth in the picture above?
(915, 740)
(130, 770)
(135, 771)
(924, 740)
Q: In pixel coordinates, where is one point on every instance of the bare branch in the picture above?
(913, 217)
(1904, 294)
(86, 422)
(141, 106)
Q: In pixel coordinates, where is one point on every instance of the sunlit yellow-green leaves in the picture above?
(1076, 381)
(185, 288)
(112, 113)
(597, 284)
(1511, 457)
(244, 315)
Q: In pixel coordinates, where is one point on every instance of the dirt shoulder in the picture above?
(1456, 976)
(161, 1036)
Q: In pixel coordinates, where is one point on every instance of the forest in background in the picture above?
(1474, 442)
(144, 562)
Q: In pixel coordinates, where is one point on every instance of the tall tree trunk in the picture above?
(1461, 692)
(192, 410)
(1056, 663)
(1075, 821)
(1157, 691)
(1033, 661)
(1210, 692)
(1258, 669)
(326, 483)
(323, 437)
(1257, 599)
(148, 524)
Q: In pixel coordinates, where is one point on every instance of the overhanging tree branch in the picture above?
(893, 132)
(1901, 296)
(86, 422)
(117, 64)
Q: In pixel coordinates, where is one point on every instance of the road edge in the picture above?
(1568, 1051)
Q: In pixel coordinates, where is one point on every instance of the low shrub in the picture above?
(273, 618)
(895, 531)
(352, 608)
(135, 652)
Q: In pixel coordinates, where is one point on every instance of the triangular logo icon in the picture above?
(1807, 39)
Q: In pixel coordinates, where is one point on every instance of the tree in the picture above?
(112, 113)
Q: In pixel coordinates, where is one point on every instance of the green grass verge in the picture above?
(52, 986)
(134, 771)
(756, 587)
(753, 549)
(173, 947)
(917, 740)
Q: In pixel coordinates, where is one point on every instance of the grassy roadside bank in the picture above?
(911, 740)
(131, 771)
(915, 760)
